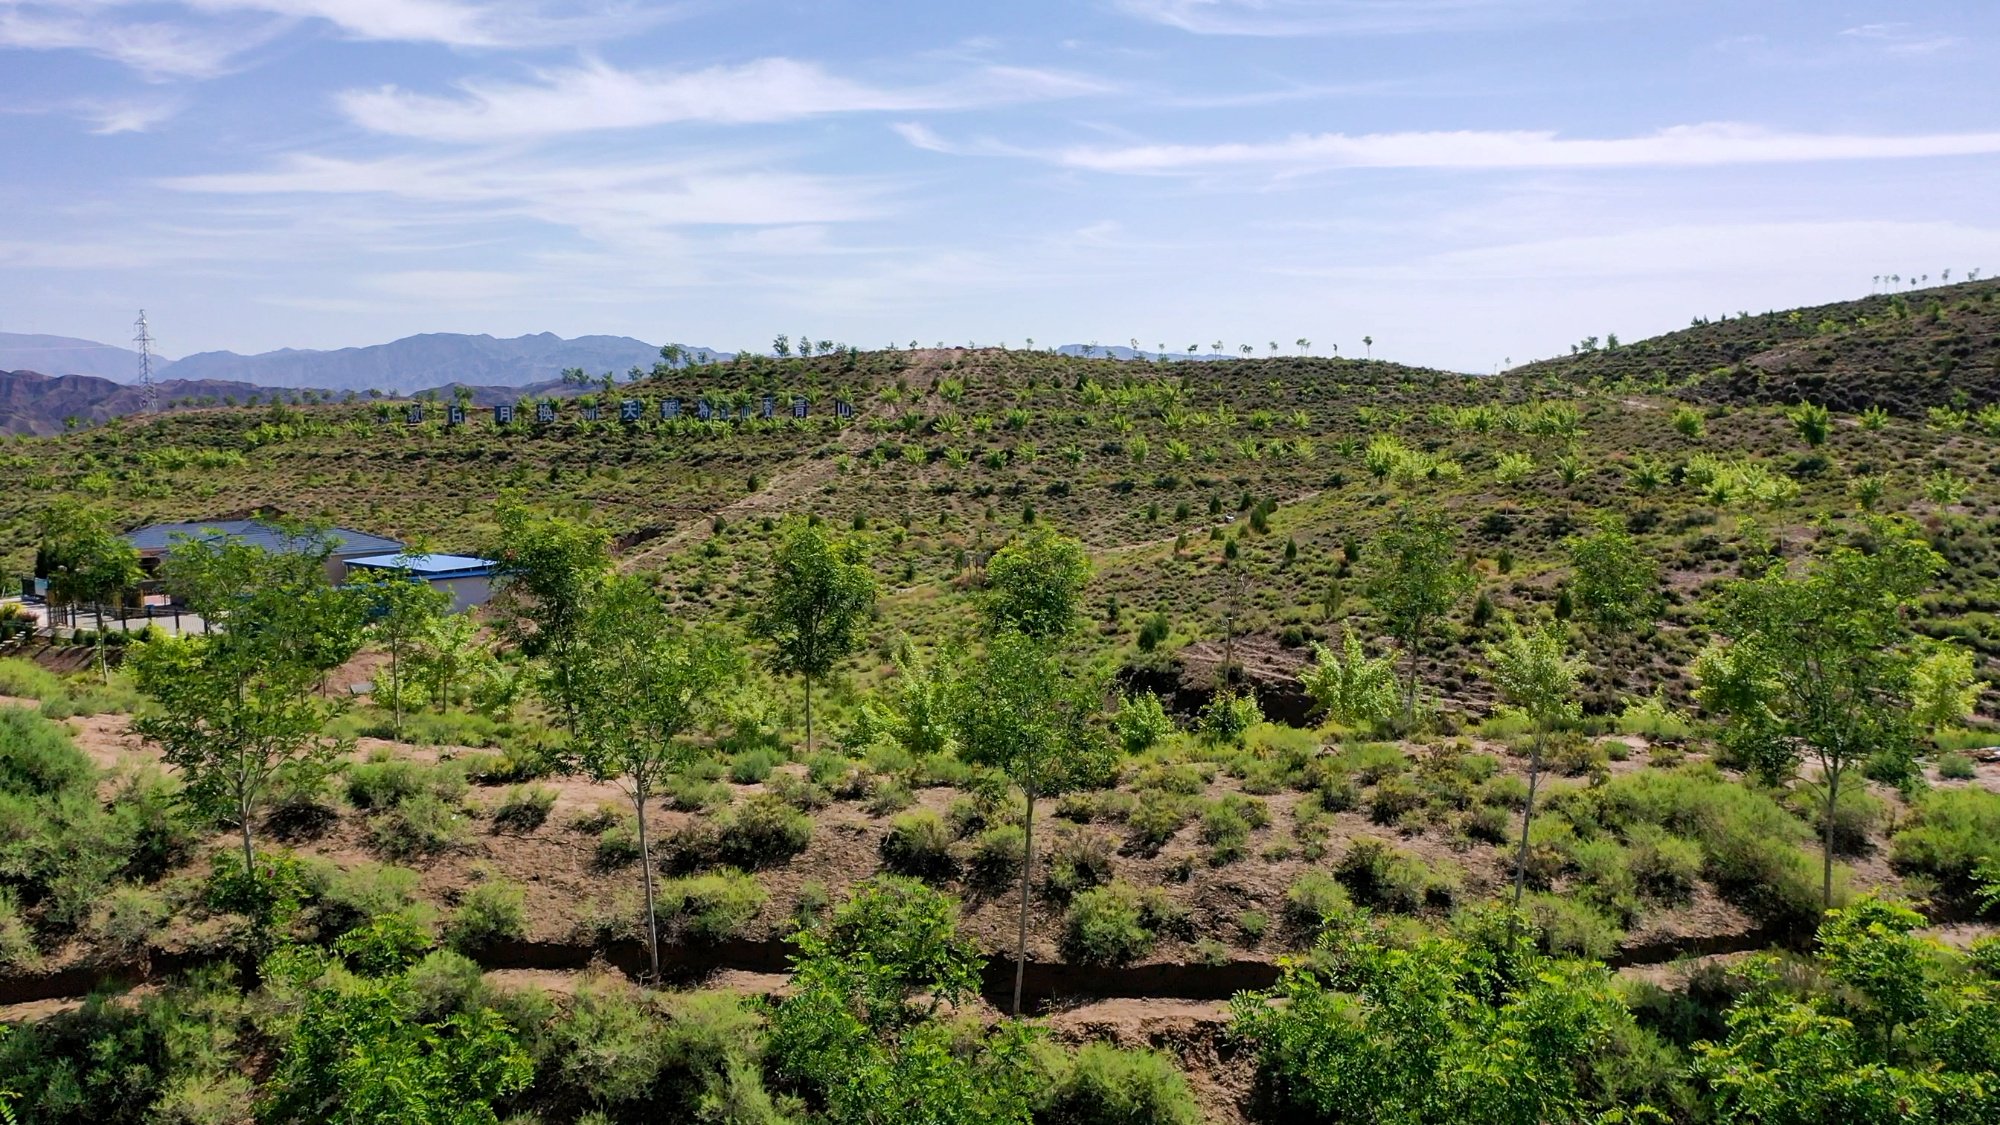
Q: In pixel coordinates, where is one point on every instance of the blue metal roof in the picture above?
(257, 533)
(430, 566)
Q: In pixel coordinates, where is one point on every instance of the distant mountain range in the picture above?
(403, 366)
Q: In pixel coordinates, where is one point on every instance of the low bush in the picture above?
(1949, 833)
(887, 796)
(689, 793)
(764, 831)
(752, 766)
(348, 897)
(388, 783)
(1117, 923)
(524, 808)
(1378, 873)
(424, 824)
(128, 919)
(1956, 767)
(710, 908)
(918, 844)
(994, 859)
(1077, 861)
(1155, 819)
(1664, 867)
(1105, 1085)
(1313, 898)
(1567, 927)
(618, 845)
(491, 912)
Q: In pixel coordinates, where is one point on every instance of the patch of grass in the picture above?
(1950, 831)
(491, 912)
(1118, 923)
(1377, 873)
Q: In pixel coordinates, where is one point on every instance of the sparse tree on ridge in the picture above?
(820, 595)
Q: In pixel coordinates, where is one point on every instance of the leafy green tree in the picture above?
(642, 683)
(236, 708)
(820, 596)
(1944, 688)
(1534, 672)
(443, 654)
(359, 1053)
(84, 560)
(858, 1034)
(1812, 421)
(1021, 710)
(549, 567)
(1616, 584)
(402, 608)
(1435, 1031)
(1035, 584)
(1821, 664)
(1416, 577)
(1353, 689)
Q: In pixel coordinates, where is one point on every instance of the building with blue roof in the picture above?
(155, 540)
(468, 580)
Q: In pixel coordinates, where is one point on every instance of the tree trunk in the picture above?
(1826, 843)
(396, 689)
(1027, 875)
(646, 870)
(809, 713)
(1410, 686)
(249, 849)
(1527, 819)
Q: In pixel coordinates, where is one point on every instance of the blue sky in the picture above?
(1466, 181)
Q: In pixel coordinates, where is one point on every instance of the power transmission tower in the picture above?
(144, 339)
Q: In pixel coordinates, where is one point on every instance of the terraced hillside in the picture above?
(1267, 913)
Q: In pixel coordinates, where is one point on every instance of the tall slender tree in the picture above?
(401, 609)
(643, 684)
(1022, 709)
(235, 709)
(820, 595)
(1534, 673)
(1416, 577)
(1820, 665)
(549, 568)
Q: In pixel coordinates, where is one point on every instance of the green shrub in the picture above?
(1664, 867)
(24, 679)
(349, 897)
(1312, 898)
(994, 859)
(491, 912)
(129, 919)
(443, 982)
(799, 792)
(17, 941)
(918, 844)
(1254, 924)
(1107, 926)
(1077, 861)
(689, 793)
(1142, 722)
(1567, 927)
(764, 831)
(1956, 767)
(37, 757)
(754, 765)
(1855, 817)
(1949, 833)
(886, 796)
(1393, 799)
(1104, 1085)
(1370, 762)
(1652, 719)
(424, 824)
(524, 808)
(1490, 824)
(388, 784)
(608, 1048)
(710, 908)
(386, 943)
(1228, 716)
(1377, 873)
(1155, 819)
(618, 845)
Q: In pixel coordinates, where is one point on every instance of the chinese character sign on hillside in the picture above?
(454, 415)
(629, 410)
(670, 408)
(545, 412)
(503, 414)
(798, 406)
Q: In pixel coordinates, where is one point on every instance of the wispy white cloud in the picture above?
(204, 38)
(597, 96)
(1681, 146)
(109, 118)
(156, 49)
(1320, 17)
(617, 204)
(1900, 38)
